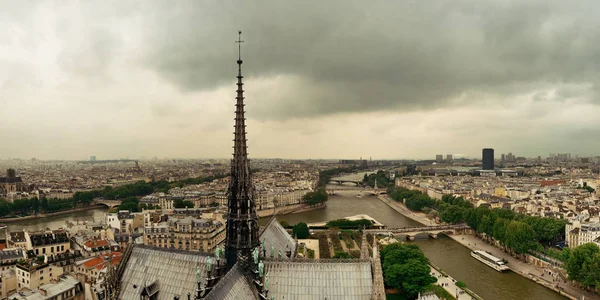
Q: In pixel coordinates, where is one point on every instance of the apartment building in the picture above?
(187, 233)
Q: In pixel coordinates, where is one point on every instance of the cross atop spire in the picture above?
(242, 224)
(239, 42)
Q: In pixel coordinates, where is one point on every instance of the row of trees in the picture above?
(406, 268)
(350, 224)
(23, 207)
(519, 232)
(140, 188)
(128, 193)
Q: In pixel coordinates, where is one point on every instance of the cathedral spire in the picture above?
(242, 224)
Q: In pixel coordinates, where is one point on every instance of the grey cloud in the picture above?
(92, 54)
(353, 56)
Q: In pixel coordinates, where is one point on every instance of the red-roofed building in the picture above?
(93, 247)
(91, 267)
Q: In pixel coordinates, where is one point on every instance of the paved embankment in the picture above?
(289, 209)
(449, 284)
(518, 266)
(58, 213)
(403, 210)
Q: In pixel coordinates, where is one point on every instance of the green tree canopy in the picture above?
(301, 231)
(406, 268)
(179, 203)
(583, 265)
(519, 237)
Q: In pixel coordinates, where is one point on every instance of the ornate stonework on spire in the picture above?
(242, 225)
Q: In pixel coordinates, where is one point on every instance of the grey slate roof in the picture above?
(232, 286)
(173, 271)
(317, 280)
(277, 236)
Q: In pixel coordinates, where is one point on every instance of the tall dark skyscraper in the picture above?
(242, 224)
(487, 159)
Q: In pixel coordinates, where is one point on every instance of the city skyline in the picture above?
(97, 78)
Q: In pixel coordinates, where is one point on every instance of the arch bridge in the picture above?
(342, 181)
(107, 203)
(431, 231)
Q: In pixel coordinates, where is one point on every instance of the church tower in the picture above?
(242, 221)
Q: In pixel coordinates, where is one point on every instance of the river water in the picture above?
(54, 222)
(449, 255)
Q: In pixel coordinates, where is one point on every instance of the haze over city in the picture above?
(343, 79)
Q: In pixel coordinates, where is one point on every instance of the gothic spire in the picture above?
(242, 224)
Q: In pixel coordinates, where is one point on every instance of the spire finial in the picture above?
(239, 42)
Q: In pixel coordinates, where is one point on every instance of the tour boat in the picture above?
(490, 260)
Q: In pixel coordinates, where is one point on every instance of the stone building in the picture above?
(49, 242)
(11, 184)
(187, 233)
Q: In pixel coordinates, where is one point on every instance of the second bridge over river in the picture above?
(431, 231)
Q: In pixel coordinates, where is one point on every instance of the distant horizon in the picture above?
(432, 158)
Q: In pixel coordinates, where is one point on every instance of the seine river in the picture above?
(444, 252)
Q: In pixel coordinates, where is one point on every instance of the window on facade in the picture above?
(43, 250)
(62, 248)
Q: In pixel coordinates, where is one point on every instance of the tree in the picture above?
(301, 231)
(317, 197)
(44, 204)
(179, 203)
(580, 265)
(453, 214)
(519, 237)
(499, 229)
(342, 255)
(130, 203)
(412, 277)
(405, 267)
(5, 207)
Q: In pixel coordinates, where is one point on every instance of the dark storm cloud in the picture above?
(356, 55)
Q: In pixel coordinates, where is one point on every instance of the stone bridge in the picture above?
(359, 190)
(342, 181)
(431, 231)
(107, 203)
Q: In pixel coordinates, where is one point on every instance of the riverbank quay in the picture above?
(58, 213)
(403, 210)
(529, 271)
(518, 266)
(449, 284)
(289, 209)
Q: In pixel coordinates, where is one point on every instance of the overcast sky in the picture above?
(324, 79)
